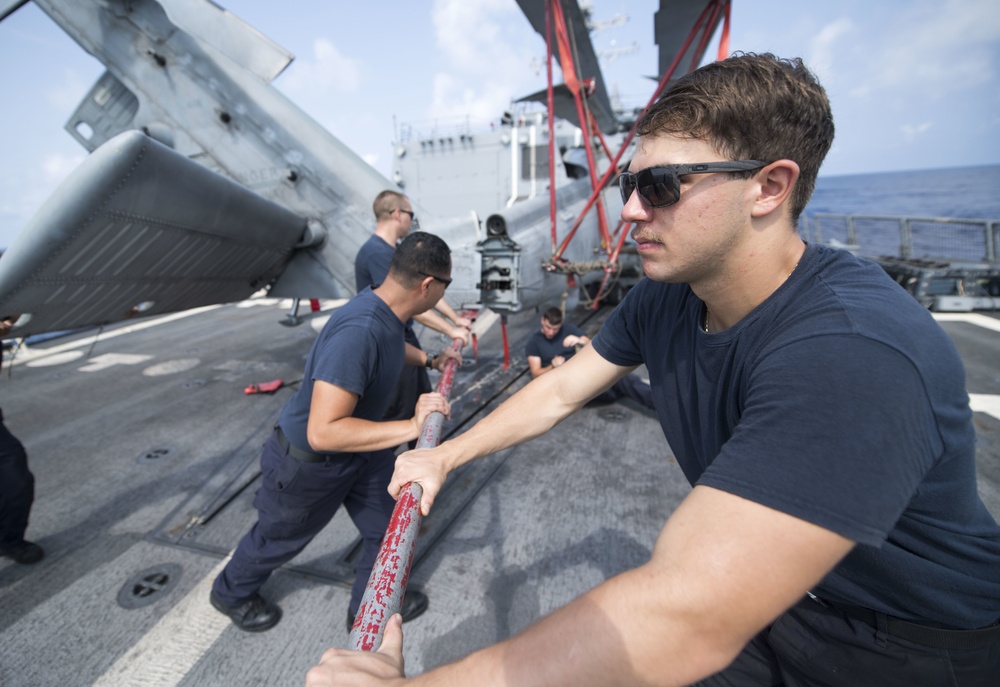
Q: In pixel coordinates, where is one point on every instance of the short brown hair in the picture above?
(553, 316)
(386, 203)
(751, 107)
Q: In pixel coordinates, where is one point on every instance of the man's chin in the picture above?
(660, 275)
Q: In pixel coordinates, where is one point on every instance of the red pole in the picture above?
(506, 345)
(583, 115)
(613, 168)
(387, 584)
(552, 121)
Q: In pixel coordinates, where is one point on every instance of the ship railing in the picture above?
(464, 126)
(931, 238)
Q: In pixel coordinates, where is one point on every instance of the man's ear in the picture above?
(777, 181)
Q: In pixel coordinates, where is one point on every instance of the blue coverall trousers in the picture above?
(296, 500)
(17, 488)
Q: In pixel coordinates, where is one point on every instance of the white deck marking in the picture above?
(985, 403)
(27, 355)
(971, 318)
(103, 362)
(168, 652)
(980, 403)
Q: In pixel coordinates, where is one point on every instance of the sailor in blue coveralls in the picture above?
(17, 489)
(330, 446)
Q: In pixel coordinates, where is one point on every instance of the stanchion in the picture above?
(384, 595)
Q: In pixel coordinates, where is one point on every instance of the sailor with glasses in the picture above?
(331, 446)
(834, 534)
(394, 219)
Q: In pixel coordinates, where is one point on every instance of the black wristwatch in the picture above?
(429, 362)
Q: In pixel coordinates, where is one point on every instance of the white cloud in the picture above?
(56, 166)
(824, 48)
(937, 49)
(912, 132)
(326, 70)
(66, 94)
(489, 55)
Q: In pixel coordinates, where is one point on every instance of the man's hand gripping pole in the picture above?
(384, 595)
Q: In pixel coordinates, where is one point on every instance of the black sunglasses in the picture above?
(409, 212)
(660, 186)
(446, 282)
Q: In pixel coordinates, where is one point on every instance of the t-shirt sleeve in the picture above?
(346, 359)
(371, 266)
(532, 348)
(835, 430)
(617, 341)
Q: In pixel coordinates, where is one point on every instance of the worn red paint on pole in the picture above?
(387, 585)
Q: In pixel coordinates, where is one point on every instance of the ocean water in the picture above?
(961, 192)
(971, 193)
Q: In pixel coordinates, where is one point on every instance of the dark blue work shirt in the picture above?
(539, 346)
(360, 350)
(839, 401)
(371, 267)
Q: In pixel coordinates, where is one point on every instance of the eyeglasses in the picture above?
(409, 212)
(446, 282)
(660, 186)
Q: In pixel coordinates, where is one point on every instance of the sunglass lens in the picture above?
(658, 187)
(626, 182)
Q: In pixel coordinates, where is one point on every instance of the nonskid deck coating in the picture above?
(556, 517)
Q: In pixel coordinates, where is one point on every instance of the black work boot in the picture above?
(24, 552)
(256, 614)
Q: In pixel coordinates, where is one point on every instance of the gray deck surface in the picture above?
(145, 448)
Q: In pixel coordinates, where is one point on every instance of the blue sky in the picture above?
(914, 84)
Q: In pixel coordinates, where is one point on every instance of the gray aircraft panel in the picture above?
(230, 35)
(671, 26)
(116, 240)
(587, 64)
(8, 7)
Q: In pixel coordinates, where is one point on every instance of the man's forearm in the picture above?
(446, 310)
(722, 568)
(602, 639)
(434, 321)
(353, 435)
(538, 407)
(529, 413)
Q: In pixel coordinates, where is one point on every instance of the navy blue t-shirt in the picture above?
(371, 267)
(838, 400)
(371, 264)
(360, 350)
(547, 349)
